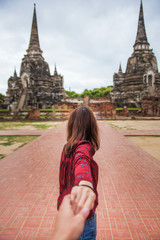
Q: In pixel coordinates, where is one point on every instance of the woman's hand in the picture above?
(82, 197)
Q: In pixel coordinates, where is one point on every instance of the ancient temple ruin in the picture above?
(35, 87)
(141, 78)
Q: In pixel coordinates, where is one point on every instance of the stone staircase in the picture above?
(22, 99)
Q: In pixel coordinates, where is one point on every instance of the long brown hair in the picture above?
(82, 125)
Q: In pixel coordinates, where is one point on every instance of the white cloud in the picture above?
(87, 39)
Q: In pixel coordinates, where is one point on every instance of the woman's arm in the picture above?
(82, 193)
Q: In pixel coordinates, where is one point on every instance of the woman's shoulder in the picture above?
(84, 145)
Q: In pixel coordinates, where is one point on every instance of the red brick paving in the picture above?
(129, 189)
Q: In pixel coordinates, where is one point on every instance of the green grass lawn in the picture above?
(35, 125)
(8, 144)
(114, 125)
(48, 109)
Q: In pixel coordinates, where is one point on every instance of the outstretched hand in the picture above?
(69, 226)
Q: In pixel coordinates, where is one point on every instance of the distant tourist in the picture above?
(78, 171)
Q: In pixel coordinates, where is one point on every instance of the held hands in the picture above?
(73, 212)
(69, 226)
(82, 197)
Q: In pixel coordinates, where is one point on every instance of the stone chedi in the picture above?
(141, 78)
(35, 88)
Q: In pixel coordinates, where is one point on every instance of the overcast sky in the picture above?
(87, 39)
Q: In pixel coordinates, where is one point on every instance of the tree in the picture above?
(96, 92)
(72, 94)
(1, 97)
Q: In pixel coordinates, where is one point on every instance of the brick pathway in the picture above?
(129, 189)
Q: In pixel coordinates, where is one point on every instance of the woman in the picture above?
(78, 171)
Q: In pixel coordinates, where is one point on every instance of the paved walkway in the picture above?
(129, 189)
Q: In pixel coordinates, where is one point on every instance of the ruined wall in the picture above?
(100, 105)
(151, 106)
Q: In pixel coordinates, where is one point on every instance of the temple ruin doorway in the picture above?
(150, 81)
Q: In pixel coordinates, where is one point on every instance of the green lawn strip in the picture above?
(10, 140)
(143, 136)
(121, 128)
(14, 125)
(133, 109)
(9, 125)
(57, 110)
(114, 126)
(41, 126)
(45, 109)
(4, 110)
(129, 128)
(2, 156)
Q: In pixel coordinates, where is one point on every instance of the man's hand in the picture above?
(69, 226)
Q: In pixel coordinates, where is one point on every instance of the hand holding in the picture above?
(82, 197)
(69, 226)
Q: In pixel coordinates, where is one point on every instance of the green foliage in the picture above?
(96, 92)
(72, 94)
(1, 98)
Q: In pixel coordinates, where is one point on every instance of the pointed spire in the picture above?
(15, 73)
(55, 71)
(34, 46)
(120, 68)
(141, 37)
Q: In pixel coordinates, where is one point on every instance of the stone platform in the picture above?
(129, 188)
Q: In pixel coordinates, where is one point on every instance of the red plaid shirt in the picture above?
(80, 166)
